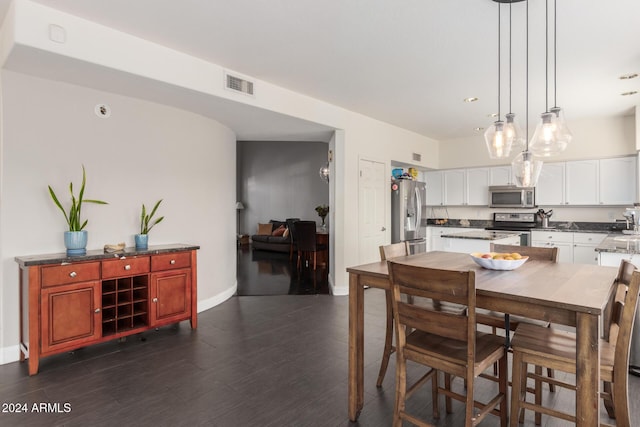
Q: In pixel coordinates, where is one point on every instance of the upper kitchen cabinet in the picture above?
(582, 182)
(588, 182)
(458, 187)
(434, 188)
(500, 175)
(550, 188)
(618, 181)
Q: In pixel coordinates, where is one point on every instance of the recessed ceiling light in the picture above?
(478, 129)
(628, 76)
(470, 99)
(632, 92)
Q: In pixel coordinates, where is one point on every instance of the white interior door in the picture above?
(372, 192)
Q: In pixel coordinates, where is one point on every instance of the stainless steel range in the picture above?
(516, 222)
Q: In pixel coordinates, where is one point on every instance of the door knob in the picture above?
(383, 229)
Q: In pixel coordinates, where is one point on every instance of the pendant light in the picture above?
(551, 135)
(525, 168)
(512, 131)
(498, 145)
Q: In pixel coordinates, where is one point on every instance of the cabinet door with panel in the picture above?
(70, 316)
(434, 183)
(500, 175)
(582, 182)
(550, 187)
(584, 247)
(170, 297)
(454, 187)
(477, 184)
(618, 178)
(562, 240)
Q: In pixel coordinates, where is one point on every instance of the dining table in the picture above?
(575, 295)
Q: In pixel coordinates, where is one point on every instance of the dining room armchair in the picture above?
(293, 243)
(444, 341)
(307, 244)
(557, 348)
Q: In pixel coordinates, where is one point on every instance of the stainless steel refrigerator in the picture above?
(408, 215)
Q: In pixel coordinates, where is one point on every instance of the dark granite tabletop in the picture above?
(98, 254)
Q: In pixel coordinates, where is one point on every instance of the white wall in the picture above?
(142, 153)
(592, 138)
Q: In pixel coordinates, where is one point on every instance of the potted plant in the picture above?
(323, 211)
(75, 239)
(146, 224)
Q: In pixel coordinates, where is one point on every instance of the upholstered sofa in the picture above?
(273, 236)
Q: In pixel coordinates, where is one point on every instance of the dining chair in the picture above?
(557, 349)
(508, 322)
(293, 246)
(443, 341)
(306, 236)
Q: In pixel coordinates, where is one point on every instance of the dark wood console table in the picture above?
(71, 302)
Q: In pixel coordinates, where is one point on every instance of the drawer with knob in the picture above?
(171, 261)
(65, 274)
(125, 266)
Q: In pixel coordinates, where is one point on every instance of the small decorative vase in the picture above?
(142, 241)
(76, 242)
(323, 226)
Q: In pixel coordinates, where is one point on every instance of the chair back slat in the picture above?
(624, 326)
(442, 285)
(533, 252)
(394, 250)
(305, 235)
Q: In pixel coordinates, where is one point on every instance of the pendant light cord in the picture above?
(555, 50)
(509, 58)
(527, 79)
(499, 20)
(546, 56)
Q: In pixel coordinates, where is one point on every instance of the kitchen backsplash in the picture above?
(560, 214)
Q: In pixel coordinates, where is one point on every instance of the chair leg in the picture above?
(608, 399)
(550, 374)
(517, 388)
(503, 386)
(538, 394)
(434, 395)
(401, 390)
(388, 340)
(447, 399)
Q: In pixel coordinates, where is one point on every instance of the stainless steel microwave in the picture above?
(510, 196)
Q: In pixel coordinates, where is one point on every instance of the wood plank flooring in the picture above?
(253, 361)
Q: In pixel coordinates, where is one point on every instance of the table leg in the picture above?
(587, 370)
(356, 346)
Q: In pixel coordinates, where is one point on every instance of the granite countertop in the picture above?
(562, 226)
(620, 243)
(99, 254)
(482, 235)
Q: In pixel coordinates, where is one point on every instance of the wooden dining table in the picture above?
(568, 294)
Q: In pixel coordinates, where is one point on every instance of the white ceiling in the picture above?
(410, 63)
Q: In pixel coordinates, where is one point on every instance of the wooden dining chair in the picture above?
(443, 341)
(557, 349)
(388, 252)
(305, 232)
(293, 245)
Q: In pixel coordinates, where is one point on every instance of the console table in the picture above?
(71, 302)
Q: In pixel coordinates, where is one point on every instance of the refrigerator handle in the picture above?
(418, 211)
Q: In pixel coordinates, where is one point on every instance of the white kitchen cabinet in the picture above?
(436, 242)
(562, 240)
(500, 175)
(477, 187)
(582, 182)
(452, 244)
(612, 259)
(434, 184)
(550, 187)
(618, 181)
(584, 247)
(454, 187)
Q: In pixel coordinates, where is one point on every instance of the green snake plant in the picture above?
(146, 223)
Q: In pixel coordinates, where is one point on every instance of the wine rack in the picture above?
(125, 304)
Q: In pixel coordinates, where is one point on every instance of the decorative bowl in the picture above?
(498, 264)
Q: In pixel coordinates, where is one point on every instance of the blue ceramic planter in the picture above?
(142, 241)
(76, 242)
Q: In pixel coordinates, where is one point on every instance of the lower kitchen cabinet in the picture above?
(584, 247)
(562, 240)
(71, 302)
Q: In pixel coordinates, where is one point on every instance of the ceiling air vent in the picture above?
(417, 157)
(238, 84)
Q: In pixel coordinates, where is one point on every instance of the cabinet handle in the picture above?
(173, 261)
(97, 310)
(127, 267)
(73, 274)
(155, 300)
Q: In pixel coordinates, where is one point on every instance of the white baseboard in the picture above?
(217, 299)
(9, 354)
(337, 290)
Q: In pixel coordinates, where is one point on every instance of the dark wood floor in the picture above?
(253, 361)
(273, 273)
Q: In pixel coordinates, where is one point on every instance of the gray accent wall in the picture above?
(279, 180)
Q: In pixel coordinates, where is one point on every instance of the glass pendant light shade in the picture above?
(526, 169)
(498, 145)
(563, 134)
(513, 133)
(544, 142)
